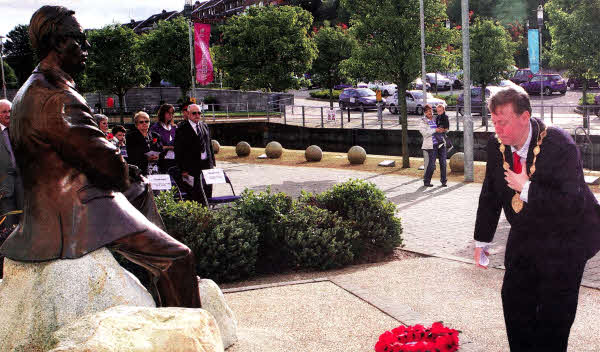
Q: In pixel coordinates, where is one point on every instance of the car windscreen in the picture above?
(419, 95)
(365, 92)
(555, 77)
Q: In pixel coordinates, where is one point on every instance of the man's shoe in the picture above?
(444, 185)
(428, 185)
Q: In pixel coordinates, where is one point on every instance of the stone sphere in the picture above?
(357, 155)
(216, 146)
(242, 149)
(457, 162)
(313, 153)
(273, 150)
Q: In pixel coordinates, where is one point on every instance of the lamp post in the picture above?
(2, 64)
(187, 12)
(540, 18)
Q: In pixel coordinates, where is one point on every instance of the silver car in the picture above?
(414, 102)
(438, 80)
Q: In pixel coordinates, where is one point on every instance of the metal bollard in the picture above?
(348, 114)
(362, 116)
(342, 116)
(303, 123)
(552, 114)
(227, 111)
(213, 111)
(457, 127)
(248, 110)
(284, 115)
(321, 117)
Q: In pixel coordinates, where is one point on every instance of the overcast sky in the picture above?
(90, 13)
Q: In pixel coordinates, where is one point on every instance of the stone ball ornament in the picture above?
(357, 155)
(243, 149)
(313, 153)
(216, 146)
(273, 150)
(457, 162)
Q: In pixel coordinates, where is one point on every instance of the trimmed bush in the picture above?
(324, 94)
(451, 100)
(316, 238)
(225, 245)
(365, 207)
(265, 210)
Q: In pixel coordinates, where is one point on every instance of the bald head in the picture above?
(5, 108)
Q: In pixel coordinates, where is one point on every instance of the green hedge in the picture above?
(451, 100)
(267, 232)
(324, 94)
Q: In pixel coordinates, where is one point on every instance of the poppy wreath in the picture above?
(417, 338)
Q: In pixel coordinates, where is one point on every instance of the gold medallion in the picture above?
(502, 147)
(536, 150)
(517, 203)
(506, 166)
(532, 169)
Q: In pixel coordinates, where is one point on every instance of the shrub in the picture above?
(367, 210)
(589, 98)
(324, 94)
(316, 238)
(265, 210)
(451, 100)
(225, 246)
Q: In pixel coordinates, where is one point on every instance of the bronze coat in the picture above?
(71, 173)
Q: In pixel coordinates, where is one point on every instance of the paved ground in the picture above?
(448, 235)
(347, 309)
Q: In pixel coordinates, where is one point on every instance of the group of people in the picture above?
(181, 150)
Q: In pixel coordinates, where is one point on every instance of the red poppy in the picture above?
(154, 140)
(110, 136)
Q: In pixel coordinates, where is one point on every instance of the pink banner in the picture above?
(204, 66)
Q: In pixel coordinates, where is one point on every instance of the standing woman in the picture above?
(141, 141)
(165, 127)
(431, 143)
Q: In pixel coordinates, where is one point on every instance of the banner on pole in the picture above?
(534, 50)
(204, 66)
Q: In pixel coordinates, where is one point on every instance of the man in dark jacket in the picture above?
(73, 176)
(194, 152)
(534, 173)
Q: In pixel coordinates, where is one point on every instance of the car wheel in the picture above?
(342, 105)
(597, 112)
(386, 93)
(547, 91)
(393, 109)
(563, 92)
(419, 110)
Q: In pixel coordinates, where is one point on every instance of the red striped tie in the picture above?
(516, 163)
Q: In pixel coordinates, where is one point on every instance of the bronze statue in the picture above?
(73, 176)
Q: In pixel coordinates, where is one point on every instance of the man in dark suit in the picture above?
(534, 173)
(73, 176)
(194, 152)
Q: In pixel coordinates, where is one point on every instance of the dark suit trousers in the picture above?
(539, 296)
(170, 263)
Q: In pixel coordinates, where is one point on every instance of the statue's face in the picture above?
(73, 48)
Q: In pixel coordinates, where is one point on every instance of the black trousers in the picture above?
(539, 298)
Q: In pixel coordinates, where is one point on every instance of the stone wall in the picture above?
(150, 99)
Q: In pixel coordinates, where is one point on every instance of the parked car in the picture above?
(342, 86)
(362, 85)
(549, 83)
(476, 99)
(455, 79)
(386, 88)
(414, 102)
(438, 81)
(521, 75)
(575, 83)
(418, 84)
(359, 98)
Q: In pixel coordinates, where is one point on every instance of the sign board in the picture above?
(378, 94)
(160, 182)
(331, 115)
(213, 176)
(533, 37)
(388, 163)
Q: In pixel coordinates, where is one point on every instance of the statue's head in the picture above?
(53, 30)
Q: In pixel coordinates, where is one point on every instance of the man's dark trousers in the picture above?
(436, 153)
(540, 294)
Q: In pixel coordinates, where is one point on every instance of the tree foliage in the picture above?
(390, 47)
(114, 64)
(574, 28)
(334, 46)
(10, 79)
(266, 47)
(491, 54)
(166, 50)
(19, 53)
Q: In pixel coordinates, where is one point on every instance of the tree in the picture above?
(10, 79)
(20, 55)
(114, 64)
(265, 48)
(390, 47)
(492, 52)
(334, 46)
(574, 30)
(166, 49)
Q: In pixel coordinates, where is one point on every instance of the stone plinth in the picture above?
(213, 301)
(36, 299)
